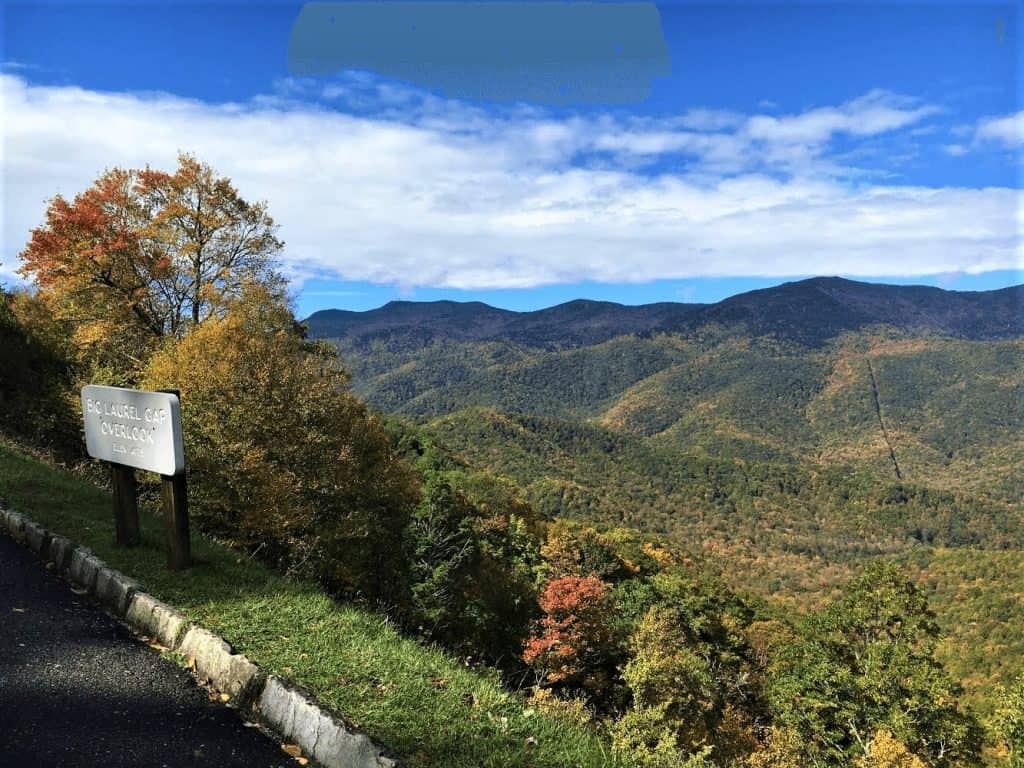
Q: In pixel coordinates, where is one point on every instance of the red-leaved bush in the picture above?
(573, 643)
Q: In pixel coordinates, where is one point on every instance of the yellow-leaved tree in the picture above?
(783, 748)
(283, 460)
(886, 751)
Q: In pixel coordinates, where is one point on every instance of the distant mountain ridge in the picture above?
(807, 311)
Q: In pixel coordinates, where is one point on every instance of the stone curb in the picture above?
(231, 673)
(155, 619)
(84, 568)
(61, 548)
(282, 706)
(15, 523)
(36, 537)
(115, 590)
(297, 717)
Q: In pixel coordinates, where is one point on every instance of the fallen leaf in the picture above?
(287, 670)
(294, 750)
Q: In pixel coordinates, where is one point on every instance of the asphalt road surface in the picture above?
(77, 690)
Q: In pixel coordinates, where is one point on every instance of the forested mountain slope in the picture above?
(939, 410)
(783, 435)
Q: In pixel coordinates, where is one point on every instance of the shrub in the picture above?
(284, 461)
(473, 565)
(37, 395)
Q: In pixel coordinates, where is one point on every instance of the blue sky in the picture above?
(876, 140)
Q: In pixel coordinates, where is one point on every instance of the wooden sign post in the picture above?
(176, 528)
(133, 429)
(126, 506)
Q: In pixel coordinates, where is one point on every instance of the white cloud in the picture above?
(414, 191)
(1008, 130)
(875, 112)
(710, 119)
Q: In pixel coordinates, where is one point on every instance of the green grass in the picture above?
(425, 705)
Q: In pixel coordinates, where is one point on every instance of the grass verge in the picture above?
(425, 705)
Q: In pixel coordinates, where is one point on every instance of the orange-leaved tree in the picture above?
(144, 254)
(575, 647)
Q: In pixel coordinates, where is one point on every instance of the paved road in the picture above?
(76, 690)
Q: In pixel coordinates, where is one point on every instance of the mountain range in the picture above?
(782, 435)
(809, 311)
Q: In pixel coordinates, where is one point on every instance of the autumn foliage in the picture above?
(285, 460)
(144, 254)
(574, 642)
(886, 751)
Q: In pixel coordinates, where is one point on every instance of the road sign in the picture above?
(134, 428)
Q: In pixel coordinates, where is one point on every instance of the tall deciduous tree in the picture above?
(214, 240)
(688, 675)
(144, 254)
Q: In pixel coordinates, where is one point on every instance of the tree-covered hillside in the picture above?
(783, 435)
(938, 410)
